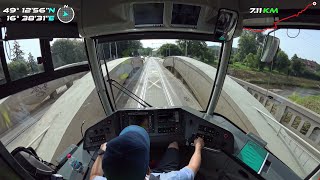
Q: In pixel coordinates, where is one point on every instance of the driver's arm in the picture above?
(195, 161)
(97, 166)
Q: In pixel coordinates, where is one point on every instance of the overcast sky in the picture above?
(306, 45)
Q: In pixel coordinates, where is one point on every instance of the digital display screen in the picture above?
(148, 13)
(253, 155)
(140, 120)
(185, 14)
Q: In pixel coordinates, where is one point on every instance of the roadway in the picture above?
(157, 86)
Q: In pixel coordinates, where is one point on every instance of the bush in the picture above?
(18, 69)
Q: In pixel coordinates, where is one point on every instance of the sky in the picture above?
(306, 45)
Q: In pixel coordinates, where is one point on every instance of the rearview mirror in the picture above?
(270, 48)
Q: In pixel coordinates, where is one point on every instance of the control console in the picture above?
(163, 127)
(101, 132)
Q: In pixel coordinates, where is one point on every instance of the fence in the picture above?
(302, 121)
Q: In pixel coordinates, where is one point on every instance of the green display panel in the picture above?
(253, 155)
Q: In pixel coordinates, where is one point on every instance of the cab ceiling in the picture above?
(91, 14)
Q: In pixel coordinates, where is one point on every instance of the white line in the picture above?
(169, 84)
(166, 92)
(143, 89)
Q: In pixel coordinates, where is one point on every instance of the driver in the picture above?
(126, 157)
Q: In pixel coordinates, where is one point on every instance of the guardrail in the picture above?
(306, 160)
(302, 121)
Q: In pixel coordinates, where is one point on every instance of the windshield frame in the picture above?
(155, 35)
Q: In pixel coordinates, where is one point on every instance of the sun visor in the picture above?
(21, 30)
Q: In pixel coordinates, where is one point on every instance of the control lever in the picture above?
(193, 137)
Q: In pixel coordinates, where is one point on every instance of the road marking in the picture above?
(169, 84)
(143, 89)
(154, 84)
(166, 92)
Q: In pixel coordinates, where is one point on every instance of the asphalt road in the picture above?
(156, 85)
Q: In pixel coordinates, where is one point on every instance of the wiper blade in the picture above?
(121, 89)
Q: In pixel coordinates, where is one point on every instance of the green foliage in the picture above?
(145, 51)
(282, 62)
(195, 49)
(247, 44)
(209, 55)
(124, 49)
(18, 69)
(32, 65)
(170, 50)
(239, 66)
(250, 59)
(310, 102)
(67, 51)
(297, 65)
(17, 52)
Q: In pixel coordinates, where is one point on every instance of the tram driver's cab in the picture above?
(229, 152)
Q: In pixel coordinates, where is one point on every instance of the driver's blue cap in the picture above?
(127, 156)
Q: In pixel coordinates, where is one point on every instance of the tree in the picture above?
(297, 65)
(145, 51)
(194, 48)
(247, 44)
(32, 65)
(17, 52)
(66, 51)
(282, 62)
(124, 49)
(18, 69)
(209, 55)
(251, 60)
(170, 50)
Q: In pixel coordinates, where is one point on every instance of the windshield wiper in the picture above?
(124, 91)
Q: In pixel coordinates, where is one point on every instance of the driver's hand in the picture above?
(198, 143)
(103, 146)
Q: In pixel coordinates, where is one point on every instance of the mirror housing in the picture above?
(270, 48)
(226, 25)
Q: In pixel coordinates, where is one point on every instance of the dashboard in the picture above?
(163, 127)
(229, 152)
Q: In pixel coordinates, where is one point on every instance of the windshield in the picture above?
(160, 73)
(278, 102)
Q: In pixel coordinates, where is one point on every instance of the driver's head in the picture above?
(127, 156)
